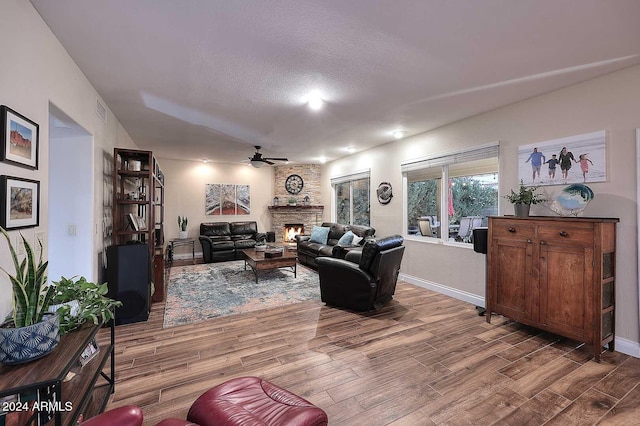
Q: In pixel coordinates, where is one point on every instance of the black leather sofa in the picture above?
(225, 240)
(308, 251)
(366, 285)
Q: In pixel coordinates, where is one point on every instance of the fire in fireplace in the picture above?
(291, 230)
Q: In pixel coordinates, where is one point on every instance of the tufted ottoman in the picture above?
(251, 401)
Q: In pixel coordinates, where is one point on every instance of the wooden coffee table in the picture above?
(258, 262)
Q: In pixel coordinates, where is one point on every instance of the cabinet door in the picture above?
(511, 280)
(565, 289)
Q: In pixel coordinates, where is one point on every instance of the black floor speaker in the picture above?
(129, 281)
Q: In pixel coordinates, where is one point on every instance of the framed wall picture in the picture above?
(19, 139)
(572, 159)
(20, 204)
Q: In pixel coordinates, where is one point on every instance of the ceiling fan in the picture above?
(259, 161)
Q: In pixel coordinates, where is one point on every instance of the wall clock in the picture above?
(294, 184)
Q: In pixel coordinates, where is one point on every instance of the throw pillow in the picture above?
(356, 240)
(319, 234)
(346, 239)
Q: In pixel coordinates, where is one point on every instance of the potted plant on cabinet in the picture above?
(78, 301)
(523, 199)
(182, 227)
(32, 332)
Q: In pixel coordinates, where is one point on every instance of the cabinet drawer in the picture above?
(517, 229)
(565, 235)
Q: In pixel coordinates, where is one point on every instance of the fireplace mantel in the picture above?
(296, 207)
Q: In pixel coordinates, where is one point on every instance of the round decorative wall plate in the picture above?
(572, 200)
(294, 184)
(384, 193)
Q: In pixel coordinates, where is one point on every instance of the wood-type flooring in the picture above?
(424, 359)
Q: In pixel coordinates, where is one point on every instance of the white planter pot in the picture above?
(182, 235)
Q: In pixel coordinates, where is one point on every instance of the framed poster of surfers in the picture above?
(19, 139)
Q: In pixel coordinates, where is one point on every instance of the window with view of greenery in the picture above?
(449, 197)
(352, 201)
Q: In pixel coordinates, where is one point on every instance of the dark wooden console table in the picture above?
(86, 393)
(177, 242)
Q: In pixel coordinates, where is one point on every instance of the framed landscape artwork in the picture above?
(227, 199)
(573, 159)
(19, 139)
(20, 202)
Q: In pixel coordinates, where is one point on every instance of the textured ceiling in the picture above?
(194, 79)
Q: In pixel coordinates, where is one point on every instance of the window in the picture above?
(450, 195)
(351, 199)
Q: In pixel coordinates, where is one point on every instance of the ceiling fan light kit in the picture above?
(258, 160)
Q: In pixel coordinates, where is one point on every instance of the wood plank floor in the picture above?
(425, 359)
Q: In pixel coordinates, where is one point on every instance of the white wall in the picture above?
(185, 190)
(38, 71)
(610, 102)
(70, 186)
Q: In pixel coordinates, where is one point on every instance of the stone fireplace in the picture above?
(304, 217)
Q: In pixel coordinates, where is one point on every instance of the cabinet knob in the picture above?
(529, 241)
(512, 230)
(542, 243)
(563, 234)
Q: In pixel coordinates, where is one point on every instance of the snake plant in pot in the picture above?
(31, 332)
(182, 226)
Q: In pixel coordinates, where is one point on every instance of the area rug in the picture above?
(205, 291)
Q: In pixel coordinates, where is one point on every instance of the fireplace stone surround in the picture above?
(309, 216)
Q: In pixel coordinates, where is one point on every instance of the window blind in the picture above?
(479, 153)
(351, 177)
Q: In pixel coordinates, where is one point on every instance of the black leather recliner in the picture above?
(225, 240)
(366, 285)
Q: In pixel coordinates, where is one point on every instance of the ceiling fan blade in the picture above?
(275, 158)
(268, 162)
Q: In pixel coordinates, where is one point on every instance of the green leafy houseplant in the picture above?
(182, 223)
(525, 195)
(92, 303)
(31, 295)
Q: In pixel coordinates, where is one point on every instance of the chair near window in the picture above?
(428, 226)
(366, 285)
(467, 225)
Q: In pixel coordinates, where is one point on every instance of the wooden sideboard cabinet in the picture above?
(556, 274)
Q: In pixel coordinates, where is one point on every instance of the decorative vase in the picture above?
(261, 247)
(522, 210)
(24, 344)
(182, 235)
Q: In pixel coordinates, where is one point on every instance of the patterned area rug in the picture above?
(201, 292)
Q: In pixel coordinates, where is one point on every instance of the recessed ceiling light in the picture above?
(322, 160)
(204, 160)
(350, 149)
(398, 134)
(315, 101)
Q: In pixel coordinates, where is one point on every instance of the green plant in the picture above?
(182, 223)
(31, 295)
(525, 195)
(293, 200)
(92, 302)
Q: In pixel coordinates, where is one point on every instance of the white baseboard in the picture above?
(443, 289)
(625, 346)
(628, 347)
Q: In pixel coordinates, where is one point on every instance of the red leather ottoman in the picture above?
(251, 401)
